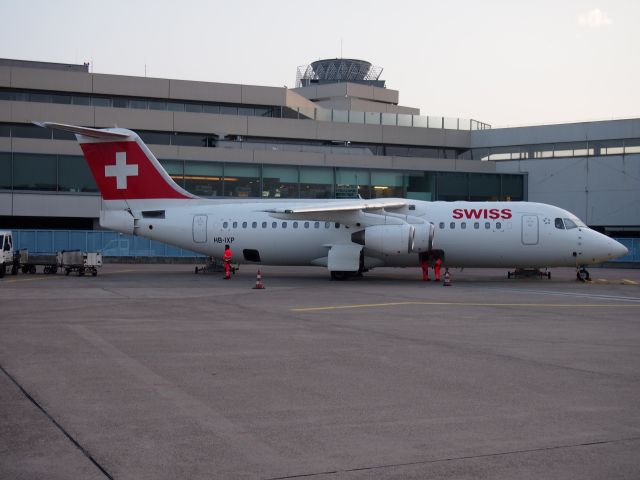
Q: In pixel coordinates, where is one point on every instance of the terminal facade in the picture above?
(339, 134)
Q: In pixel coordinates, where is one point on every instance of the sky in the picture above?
(503, 62)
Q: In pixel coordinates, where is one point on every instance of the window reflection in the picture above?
(74, 175)
(203, 178)
(351, 183)
(280, 181)
(241, 180)
(316, 182)
(386, 184)
(34, 171)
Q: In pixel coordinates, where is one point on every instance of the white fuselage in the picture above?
(471, 234)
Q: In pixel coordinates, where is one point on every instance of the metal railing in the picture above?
(110, 244)
(391, 119)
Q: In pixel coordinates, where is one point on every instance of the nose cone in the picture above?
(618, 250)
(599, 248)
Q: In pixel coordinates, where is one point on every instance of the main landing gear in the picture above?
(582, 274)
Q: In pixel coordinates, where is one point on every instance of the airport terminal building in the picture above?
(339, 134)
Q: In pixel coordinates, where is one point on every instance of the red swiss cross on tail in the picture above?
(122, 165)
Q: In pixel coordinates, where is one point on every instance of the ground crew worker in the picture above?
(436, 268)
(226, 258)
(424, 263)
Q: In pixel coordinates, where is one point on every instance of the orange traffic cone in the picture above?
(447, 278)
(259, 284)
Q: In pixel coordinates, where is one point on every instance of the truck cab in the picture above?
(7, 259)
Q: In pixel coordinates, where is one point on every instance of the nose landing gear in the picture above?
(582, 274)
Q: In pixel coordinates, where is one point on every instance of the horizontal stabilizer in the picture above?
(86, 131)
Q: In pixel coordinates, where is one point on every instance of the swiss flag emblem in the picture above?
(123, 171)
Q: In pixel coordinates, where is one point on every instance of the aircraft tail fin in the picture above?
(122, 165)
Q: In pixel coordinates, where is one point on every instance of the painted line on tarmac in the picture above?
(33, 279)
(463, 304)
(121, 271)
(51, 277)
(566, 294)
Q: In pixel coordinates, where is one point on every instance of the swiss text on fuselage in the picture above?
(486, 213)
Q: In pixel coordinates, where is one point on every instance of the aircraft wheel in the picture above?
(508, 274)
(583, 275)
(340, 276)
(549, 275)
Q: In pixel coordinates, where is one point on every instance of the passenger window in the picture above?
(487, 225)
(476, 225)
(316, 225)
(254, 224)
(306, 224)
(274, 225)
(264, 224)
(295, 224)
(225, 225)
(244, 224)
(463, 225)
(559, 224)
(441, 225)
(452, 225)
(498, 225)
(235, 224)
(284, 224)
(569, 224)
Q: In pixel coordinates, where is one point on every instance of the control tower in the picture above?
(339, 70)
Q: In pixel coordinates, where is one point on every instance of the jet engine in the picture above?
(424, 237)
(387, 239)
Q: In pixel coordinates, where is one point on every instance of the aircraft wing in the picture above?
(349, 212)
(346, 206)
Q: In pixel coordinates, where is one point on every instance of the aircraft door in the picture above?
(200, 228)
(529, 229)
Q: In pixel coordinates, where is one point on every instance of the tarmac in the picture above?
(153, 372)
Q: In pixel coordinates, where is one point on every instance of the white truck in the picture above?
(8, 260)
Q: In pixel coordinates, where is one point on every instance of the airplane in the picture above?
(347, 237)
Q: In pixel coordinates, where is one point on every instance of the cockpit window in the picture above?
(559, 223)
(569, 224)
